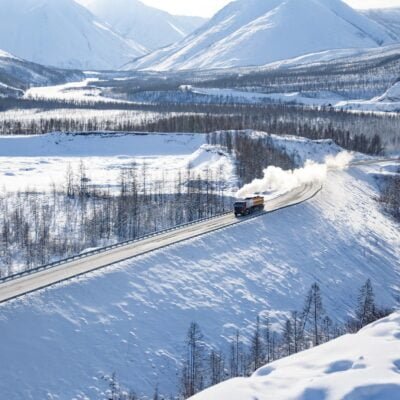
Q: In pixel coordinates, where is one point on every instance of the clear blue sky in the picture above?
(207, 8)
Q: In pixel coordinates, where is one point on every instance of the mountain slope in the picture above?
(387, 17)
(354, 367)
(149, 26)
(132, 318)
(16, 75)
(61, 33)
(256, 32)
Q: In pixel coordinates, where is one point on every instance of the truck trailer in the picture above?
(249, 205)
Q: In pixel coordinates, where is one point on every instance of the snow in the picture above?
(112, 144)
(354, 367)
(319, 99)
(276, 179)
(134, 20)
(78, 114)
(84, 90)
(4, 54)
(24, 73)
(392, 94)
(257, 32)
(303, 149)
(132, 317)
(388, 17)
(389, 102)
(62, 33)
(40, 161)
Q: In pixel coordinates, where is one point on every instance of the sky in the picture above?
(207, 8)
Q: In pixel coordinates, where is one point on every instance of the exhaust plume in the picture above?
(276, 179)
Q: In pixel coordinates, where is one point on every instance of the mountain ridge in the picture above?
(255, 32)
(62, 34)
(16, 75)
(151, 27)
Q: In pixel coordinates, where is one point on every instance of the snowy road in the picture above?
(40, 280)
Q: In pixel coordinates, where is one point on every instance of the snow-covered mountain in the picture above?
(388, 17)
(256, 32)
(61, 33)
(354, 367)
(16, 75)
(151, 27)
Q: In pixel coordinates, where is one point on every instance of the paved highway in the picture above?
(39, 280)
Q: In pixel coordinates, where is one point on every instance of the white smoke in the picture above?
(276, 179)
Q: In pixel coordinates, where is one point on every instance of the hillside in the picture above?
(132, 318)
(387, 102)
(134, 20)
(388, 17)
(16, 75)
(354, 367)
(62, 33)
(257, 32)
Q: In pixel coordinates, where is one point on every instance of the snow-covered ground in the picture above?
(388, 102)
(364, 366)
(132, 318)
(77, 114)
(39, 161)
(323, 99)
(303, 149)
(84, 90)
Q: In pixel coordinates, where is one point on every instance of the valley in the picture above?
(137, 149)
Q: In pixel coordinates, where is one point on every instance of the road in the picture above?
(39, 280)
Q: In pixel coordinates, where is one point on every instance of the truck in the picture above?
(248, 205)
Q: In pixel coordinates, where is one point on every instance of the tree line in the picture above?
(252, 155)
(309, 327)
(204, 365)
(37, 228)
(359, 132)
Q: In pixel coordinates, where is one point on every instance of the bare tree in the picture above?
(313, 312)
(193, 374)
(257, 348)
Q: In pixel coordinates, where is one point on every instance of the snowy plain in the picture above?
(363, 366)
(132, 318)
(40, 161)
(84, 90)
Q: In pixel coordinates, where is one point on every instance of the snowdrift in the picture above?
(354, 367)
